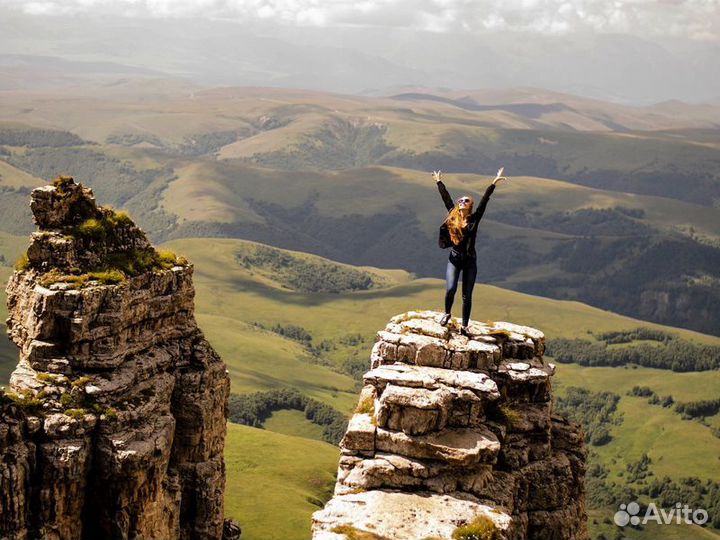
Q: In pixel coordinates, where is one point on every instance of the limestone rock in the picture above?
(450, 429)
(360, 435)
(461, 447)
(114, 423)
(413, 410)
(400, 515)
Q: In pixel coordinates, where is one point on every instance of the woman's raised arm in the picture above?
(447, 199)
(486, 197)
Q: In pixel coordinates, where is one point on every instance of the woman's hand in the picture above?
(437, 175)
(499, 176)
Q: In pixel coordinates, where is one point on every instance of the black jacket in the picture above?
(467, 245)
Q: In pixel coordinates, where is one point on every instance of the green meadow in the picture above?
(279, 475)
(276, 481)
(678, 448)
(291, 422)
(226, 289)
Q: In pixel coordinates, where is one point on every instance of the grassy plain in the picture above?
(276, 481)
(677, 447)
(291, 422)
(226, 289)
(12, 177)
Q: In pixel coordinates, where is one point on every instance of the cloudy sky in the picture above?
(633, 51)
(694, 19)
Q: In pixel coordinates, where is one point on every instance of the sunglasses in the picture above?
(464, 200)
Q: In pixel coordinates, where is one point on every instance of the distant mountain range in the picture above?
(617, 68)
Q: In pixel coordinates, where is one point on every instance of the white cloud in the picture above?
(696, 19)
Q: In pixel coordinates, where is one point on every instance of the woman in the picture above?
(459, 231)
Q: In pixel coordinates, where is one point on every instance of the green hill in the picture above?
(275, 481)
(607, 206)
(238, 305)
(678, 448)
(347, 178)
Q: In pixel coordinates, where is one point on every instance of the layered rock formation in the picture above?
(114, 423)
(455, 437)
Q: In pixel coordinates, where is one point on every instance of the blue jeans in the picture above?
(457, 264)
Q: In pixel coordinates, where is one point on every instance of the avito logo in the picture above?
(680, 513)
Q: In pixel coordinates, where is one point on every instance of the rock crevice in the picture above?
(114, 423)
(457, 431)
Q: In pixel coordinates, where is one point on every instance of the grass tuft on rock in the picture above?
(27, 401)
(47, 377)
(120, 218)
(66, 400)
(82, 381)
(166, 259)
(23, 263)
(118, 267)
(77, 414)
(105, 277)
(366, 406)
(481, 528)
(92, 228)
(353, 533)
(108, 228)
(503, 414)
(510, 416)
(136, 262)
(61, 183)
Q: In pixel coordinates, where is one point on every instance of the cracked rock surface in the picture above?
(454, 430)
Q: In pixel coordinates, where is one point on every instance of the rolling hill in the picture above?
(346, 177)
(609, 205)
(231, 291)
(240, 297)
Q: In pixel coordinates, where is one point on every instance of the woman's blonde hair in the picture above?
(456, 222)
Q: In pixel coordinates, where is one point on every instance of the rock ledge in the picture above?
(452, 428)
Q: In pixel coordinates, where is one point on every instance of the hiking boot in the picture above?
(445, 319)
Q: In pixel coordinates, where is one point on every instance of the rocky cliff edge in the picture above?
(455, 437)
(114, 422)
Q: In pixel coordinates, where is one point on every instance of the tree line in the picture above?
(596, 411)
(254, 409)
(628, 336)
(306, 275)
(676, 355)
(35, 137)
(698, 409)
(639, 482)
